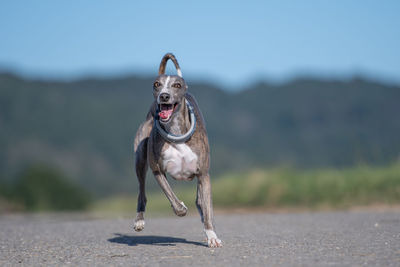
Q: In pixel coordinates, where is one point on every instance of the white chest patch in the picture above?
(179, 161)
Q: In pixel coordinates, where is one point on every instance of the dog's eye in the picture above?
(177, 85)
(156, 85)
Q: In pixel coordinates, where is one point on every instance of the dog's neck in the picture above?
(180, 123)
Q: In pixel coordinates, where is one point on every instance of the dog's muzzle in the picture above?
(176, 138)
(166, 110)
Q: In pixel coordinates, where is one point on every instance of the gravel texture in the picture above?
(290, 239)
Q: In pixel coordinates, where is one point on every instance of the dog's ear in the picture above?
(164, 61)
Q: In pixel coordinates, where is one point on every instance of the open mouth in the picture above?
(166, 111)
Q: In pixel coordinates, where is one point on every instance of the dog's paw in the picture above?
(214, 243)
(181, 210)
(212, 240)
(139, 225)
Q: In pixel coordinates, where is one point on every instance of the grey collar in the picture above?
(178, 138)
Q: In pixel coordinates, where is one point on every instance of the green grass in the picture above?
(331, 188)
(157, 203)
(284, 188)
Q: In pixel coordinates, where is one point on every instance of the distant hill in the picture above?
(86, 127)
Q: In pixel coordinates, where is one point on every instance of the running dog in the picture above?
(173, 140)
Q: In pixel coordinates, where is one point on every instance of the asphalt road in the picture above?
(303, 239)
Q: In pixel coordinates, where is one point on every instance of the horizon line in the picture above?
(75, 76)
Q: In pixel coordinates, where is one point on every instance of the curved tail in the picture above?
(164, 61)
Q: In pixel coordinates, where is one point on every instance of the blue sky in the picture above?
(228, 42)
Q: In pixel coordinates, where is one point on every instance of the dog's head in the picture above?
(169, 90)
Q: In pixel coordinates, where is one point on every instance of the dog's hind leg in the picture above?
(204, 205)
(141, 169)
(141, 141)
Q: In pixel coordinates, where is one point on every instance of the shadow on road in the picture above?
(151, 240)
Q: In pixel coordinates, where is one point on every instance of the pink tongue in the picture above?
(165, 114)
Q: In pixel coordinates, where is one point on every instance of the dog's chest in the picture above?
(179, 161)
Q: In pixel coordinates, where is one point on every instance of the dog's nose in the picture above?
(164, 97)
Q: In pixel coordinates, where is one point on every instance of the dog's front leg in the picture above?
(204, 205)
(178, 206)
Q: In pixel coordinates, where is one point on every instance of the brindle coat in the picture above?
(150, 145)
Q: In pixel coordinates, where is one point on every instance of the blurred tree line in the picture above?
(39, 188)
(86, 127)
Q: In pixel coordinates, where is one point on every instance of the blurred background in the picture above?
(301, 100)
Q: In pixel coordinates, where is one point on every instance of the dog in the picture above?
(173, 140)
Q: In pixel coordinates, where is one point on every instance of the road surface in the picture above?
(291, 239)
